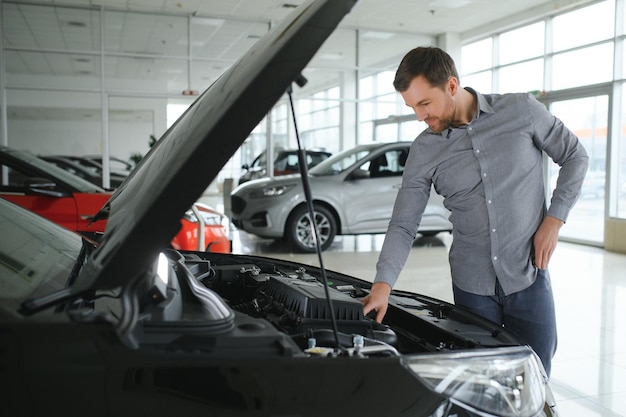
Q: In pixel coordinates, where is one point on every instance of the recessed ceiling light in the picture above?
(372, 34)
(449, 4)
(331, 56)
(208, 21)
(76, 24)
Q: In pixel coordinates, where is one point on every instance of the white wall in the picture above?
(52, 122)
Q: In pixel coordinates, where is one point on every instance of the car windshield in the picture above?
(259, 160)
(37, 259)
(76, 182)
(340, 162)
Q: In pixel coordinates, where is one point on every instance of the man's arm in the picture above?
(564, 148)
(408, 208)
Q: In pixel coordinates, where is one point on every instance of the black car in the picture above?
(285, 163)
(130, 327)
(117, 166)
(89, 172)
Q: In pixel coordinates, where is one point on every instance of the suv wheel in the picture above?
(299, 230)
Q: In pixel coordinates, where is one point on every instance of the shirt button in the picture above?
(493, 230)
(495, 258)
(470, 128)
(489, 201)
(477, 150)
(484, 174)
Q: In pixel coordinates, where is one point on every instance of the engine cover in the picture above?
(307, 299)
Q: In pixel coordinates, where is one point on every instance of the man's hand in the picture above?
(545, 240)
(377, 300)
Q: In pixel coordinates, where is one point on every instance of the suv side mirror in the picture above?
(359, 174)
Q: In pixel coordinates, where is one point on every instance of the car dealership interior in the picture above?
(108, 78)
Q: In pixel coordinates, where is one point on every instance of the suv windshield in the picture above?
(340, 162)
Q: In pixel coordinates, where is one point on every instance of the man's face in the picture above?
(433, 105)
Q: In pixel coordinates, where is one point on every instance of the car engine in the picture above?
(221, 302)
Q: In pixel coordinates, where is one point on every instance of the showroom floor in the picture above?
(589, 369)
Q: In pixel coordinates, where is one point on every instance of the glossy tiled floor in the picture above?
(589, 369)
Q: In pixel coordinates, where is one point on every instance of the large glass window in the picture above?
(481, 81)
(319, 120)
(523, 43)
(623, 51)
(620, 151)
(525, 76)
(584, 26)
(410, 129)
(585, 66)
(476, 56)
(564, 54)
(387, 132)
(588, 119)
(281, 121)
(378, 101)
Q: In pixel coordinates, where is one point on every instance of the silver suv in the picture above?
(353, 194)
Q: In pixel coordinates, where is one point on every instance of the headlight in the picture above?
(505, 382)
(271, 191)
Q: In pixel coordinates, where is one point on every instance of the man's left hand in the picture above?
(545, 240)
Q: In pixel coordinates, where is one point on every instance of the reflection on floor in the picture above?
(589, 370)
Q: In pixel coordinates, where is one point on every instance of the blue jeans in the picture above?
(528, 313)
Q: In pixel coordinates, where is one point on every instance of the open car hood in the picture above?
(145, 211)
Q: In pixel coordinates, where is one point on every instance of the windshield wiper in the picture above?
(85, 250)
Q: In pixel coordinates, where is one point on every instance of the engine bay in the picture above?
(295, 303)
(222, 302)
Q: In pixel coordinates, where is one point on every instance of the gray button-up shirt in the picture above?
(490, 174)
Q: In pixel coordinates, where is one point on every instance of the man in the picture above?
(483, 154)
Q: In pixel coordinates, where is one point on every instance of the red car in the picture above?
(72, 202)
(215, 237)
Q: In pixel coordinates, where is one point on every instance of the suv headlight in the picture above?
(271, 191)
(506, 382)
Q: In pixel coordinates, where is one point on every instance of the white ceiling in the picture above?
(140, 47)
(228, 29)
(429, 17)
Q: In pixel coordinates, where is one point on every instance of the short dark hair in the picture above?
(432, 63)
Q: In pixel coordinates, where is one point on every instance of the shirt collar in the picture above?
(483, 107)
(481, 102)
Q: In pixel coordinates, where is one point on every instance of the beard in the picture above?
(438, 125)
